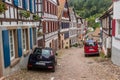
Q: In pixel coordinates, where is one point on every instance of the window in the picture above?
(46, 27)
(20, 3)
(25, 40)
(117, 31)
(33, 5)
(118, 27)
(11, 43)
(34, 36)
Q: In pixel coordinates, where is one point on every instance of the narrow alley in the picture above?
(72, 65)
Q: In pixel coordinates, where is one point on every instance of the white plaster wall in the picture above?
(115, 51)
(116, 10)
(1, 15)
(7, 14)
(116, 43)
(12, 12)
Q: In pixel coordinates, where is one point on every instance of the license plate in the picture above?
(91, 49)
(40, 63)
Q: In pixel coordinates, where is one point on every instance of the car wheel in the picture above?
(86, 55)
(28, 68)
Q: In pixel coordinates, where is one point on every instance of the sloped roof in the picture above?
(110, 9)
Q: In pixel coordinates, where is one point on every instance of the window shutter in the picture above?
(6, 49)
(113, 27)
(25, 4)
(31, 8)
(31, 38)
(19, 42)
(15, 2)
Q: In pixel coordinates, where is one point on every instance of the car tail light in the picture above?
(51, 53)
(29, 65)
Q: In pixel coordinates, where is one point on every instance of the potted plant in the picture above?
(40, 33)
(36, 17)
(24, 13)
(3, 7)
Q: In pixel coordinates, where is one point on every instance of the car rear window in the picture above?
(90, 44)
(37, 51)
(45, 53)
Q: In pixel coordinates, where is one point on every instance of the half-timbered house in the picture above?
(79, 23)
(106, 23)
(116, 33)
(50, 24)
(64, 24)
(73, 27)
(17, 34)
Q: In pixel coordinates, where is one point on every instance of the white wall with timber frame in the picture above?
(12, 56)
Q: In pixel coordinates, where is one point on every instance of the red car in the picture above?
(91, 47)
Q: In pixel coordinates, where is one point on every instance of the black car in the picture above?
(42, 58)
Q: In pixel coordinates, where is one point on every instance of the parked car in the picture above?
(91, 47)
(42, 58)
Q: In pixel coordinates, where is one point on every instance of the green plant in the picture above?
(3, 7)
(40, 33)
(75, 45)
(24, 13)
(36, 17)
(66, 47)
(102, 55)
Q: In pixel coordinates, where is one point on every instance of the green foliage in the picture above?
(36, 17)
(3, 7)
(90, 9)
(66, 47)
(24, 13)
(75, 45)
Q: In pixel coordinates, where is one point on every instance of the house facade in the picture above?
(106, 23)
(64, 24)
(39, 12)
(116, 33)
(17, 34)
(79, 29)
(49, 24)
(73, 27)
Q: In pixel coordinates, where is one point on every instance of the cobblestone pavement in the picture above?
(72, 65)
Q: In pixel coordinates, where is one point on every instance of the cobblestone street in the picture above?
(72, 65)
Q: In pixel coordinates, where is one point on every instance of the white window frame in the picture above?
(33, 6)
(11, 44)
(24, 46)
(8, 1)
(28, 6)
(46, 27)
(20, 3)
(34, 36)
(117, 28)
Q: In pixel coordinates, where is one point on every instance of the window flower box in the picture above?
(36, 17)
(3, 7)
(24, 13)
